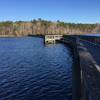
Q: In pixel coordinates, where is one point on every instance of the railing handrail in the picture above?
(92, 43)
(81, 88)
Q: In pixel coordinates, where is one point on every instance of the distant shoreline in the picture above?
(41, 35)
(43, 27)
(13, 36)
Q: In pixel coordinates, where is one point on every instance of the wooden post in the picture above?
(76, 73)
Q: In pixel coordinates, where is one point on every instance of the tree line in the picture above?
(42, 27)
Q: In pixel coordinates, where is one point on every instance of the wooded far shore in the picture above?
(42, 27)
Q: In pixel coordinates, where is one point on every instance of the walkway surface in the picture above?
(90, 63)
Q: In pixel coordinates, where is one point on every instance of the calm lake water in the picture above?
(30, 70)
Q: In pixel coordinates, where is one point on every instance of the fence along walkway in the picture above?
(86, 70)
(89, 54)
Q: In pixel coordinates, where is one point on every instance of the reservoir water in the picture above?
(30, 70)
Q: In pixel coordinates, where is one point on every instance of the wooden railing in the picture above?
(84, 72)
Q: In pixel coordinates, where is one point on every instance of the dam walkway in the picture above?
(86, 71)
(90, 67)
